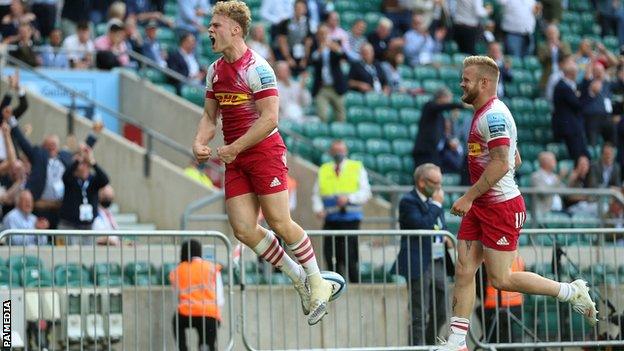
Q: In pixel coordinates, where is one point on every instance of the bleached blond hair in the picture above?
(235, 10)
(486, 66)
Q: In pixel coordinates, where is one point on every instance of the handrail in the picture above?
(150, 133)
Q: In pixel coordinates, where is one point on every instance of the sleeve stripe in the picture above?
(498, 142)
(210, 94)
(265, 93)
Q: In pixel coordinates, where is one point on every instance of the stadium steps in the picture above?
(129, 221)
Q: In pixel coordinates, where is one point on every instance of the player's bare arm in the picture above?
(206, 130)
(268, 109)
(494, 171)
(518, 160)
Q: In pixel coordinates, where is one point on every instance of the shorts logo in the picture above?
(474, 149)
(231, 99)
(502, 242)
(275, 183)
(520, 219)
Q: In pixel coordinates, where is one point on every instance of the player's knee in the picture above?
(463, 270)
(500, 283)
(279, 226)
(244, 232)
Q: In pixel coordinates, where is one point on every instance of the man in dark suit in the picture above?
(430, 139)
(567, 123)
(605, 172)
(329, 83)
(184, 61)
(367, 75)
(421, 260)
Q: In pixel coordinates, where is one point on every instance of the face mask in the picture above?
(106, 203)
(428, 191)
(339, 157)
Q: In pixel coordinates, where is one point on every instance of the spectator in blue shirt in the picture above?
(21, 217)
(145, 11)
(151, 46)
(191, 15)
(51, 54)
(420, 46)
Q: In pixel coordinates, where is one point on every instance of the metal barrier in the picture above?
(102, 297)
(373, 314)
(595, 255)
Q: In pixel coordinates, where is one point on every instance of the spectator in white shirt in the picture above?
(80, 47)
(258, 43)
(420, 46)
(21, 217)
(105, 221)
(518, 24)
(357, 38)
(275, 12)
(294, 97)
(545, 177)
(468, 14)
(336, 33)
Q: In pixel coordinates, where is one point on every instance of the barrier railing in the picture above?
(373, 314)
(103, 297)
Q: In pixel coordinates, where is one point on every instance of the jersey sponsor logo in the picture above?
(267, 80)
(496, 125)
(474, 149)
(232, 99)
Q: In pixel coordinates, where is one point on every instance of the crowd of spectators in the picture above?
(49, 186)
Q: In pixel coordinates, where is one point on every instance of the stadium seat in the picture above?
(409, 116)
(140, 273)
(342, 130)
(425, 72)
(35, 277)
(531, 63)
(406, 72)
(322, 143)
(402, 147)
(193, 94)
(450, 179)
(458, 59)
(413, 130)
(305, 150)
(164, 271)
(167, 87)
(393, 131)
(369, 160)
(388, 163)
(521, 105)
(421, 100)
(526, 168)
(353, 98)
(313, 130)
(369, 131)
(442, 59)
(560, 150)
(359, 114)
(17, 263)
(377, 100)
(432, 85)
(408, 164)
(106, 269)
(450, 74)
(8, 278)
(385, 115)
(153, 75)
(290, 126)
(399, 178)
(400, 100)
(71, 275)
(355, 145)
(527, 90)
(378, 146)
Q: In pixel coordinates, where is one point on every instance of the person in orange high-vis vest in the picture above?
(199, 287)
(509, 302)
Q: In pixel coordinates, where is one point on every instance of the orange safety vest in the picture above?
(196, 282)
(508, 298)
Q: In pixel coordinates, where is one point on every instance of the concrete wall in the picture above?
(160, 199)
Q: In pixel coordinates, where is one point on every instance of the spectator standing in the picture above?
(468, 14)
(294, 97)
(518, 25)
(258, 43)
(336, 33)
(79, 47)
(381, 38)
(420, 46)
(294, 39)
(329, 83)
(151, 46)
(73, 13)
(579, 178)
(357, 38)
(340, 191)
(504, 67)
(609, 15)
(11, 22)
(144, 11)
(21, 217)
(430, 138)
(546, 178)
(98, 11)
(275, 12)
(421, 260)
(567, 123)
(105, 221)
(605, 173)
(550, 53)
(80, 200)
(199, 287)
(52, 54)
(114, 46)
(367, 75)
(596, 104)
(25, 50)
(191, 14)
(316, 12)
(45, 14)
(552, 10)
(390, 66)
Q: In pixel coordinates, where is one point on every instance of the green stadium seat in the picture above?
(512, 89)
(394, 131)
(377, 100)
(408, 164)
(400, 100)
(425, 72)
(565, 164)
(543, 135)
(386, 115)
(359, 114)
(17, 263)
(378, 146)
(322, 143)
(100, 29)
(450, 47)
(409, 116)
(171, 9)
(556, 220)
(525, 135)
(526, 168)
(450, 179)
(140, 273)
(531, 63)
(372, 18)
(193, 94)
(164, 271)
(167, 87)
(108, 268)
(450, 74)
(612, 43)
(305, 150)
(524, 182)
(396, 279)
(355, 145)
(411, 84)
(421, 100)
(111, 281)
(353, 98)
(369, 160)
(458, 59)
(342, 130)
(288, 125)
(521, 105)
(442, 59)
(516, 63)
(165, 35)
(413, 130)
(153, 75)
(406, 72)
(402, 147)
(35, 277)
(560, 150)
(527, 90)
(312, 130)
(530, 151)
(8, 278)
(71, 275)
(388, 163)
(369, 130)
(395, 177)
(432, 85)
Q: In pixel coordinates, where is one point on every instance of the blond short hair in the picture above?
(235, 10)
(485, 64)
